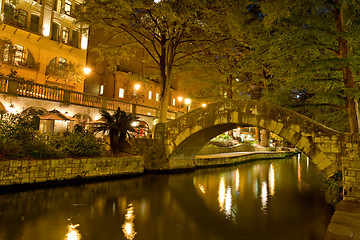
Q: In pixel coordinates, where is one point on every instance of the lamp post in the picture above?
(187, 102)
(136, 88)
(180, 102)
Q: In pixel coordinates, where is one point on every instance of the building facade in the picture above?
(42, 38)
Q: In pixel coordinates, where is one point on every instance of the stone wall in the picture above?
(14, 172)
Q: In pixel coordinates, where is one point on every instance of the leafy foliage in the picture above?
(19, 139)
(333, 188)
(69, 73)
(312, 49)
(119, 126)
(77, 143)
(170, 32)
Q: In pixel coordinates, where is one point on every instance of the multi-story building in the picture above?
(135, 79)
(44, 37)
(38, 39)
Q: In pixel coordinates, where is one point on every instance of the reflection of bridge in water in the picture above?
(330, 150)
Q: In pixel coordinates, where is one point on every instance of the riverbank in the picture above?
(17, 174)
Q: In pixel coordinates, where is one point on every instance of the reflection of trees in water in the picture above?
(181, 206)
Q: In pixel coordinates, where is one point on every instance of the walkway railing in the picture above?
(39, 91)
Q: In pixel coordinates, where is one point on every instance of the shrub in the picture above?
(41, 150)
(77, 143)
(333, 188)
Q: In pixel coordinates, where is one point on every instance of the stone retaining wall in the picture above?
(14, 172)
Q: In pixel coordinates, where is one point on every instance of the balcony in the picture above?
(28, 89)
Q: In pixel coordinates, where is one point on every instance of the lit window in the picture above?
(150, 94)
(157, 97)
(18, 54)
(62, 63)
(101, 89)
(7, 53)
(173, 102)
(65, 35)
(67, 7)
(121, 92)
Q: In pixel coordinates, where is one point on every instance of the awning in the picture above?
(56, 115)
(2, 107)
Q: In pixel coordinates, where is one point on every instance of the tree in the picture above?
(314, 46)
(66, 72)
(119, 126)
(171, 32)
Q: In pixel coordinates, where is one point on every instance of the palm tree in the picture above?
(119, 127)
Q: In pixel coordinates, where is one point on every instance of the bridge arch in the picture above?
(185, 136)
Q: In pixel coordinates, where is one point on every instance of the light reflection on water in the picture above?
(128, 226)
(73, 233)
(259, 200)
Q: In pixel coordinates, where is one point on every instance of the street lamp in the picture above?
(87, 70)
(136, 87)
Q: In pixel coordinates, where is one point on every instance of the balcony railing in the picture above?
(39, 91)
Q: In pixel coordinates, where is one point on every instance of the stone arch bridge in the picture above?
(330, 150)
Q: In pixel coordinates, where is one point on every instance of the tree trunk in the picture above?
(165, 71)
(348, 79)
(229, 82)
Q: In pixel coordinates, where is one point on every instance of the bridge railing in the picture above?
(28, 89)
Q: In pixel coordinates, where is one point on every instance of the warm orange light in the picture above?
(87, 70)
(187, 101)
(203, 105)
(137, 86)
(180, 99)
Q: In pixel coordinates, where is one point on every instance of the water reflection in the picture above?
(264, 197)
(221, 197)
(73, 233)
(128, 226)
(259, 200)
(228, 198)
(272, 180)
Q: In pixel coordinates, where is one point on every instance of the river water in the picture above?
(270, 199)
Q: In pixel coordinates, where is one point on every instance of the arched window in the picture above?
(55, 65)
(30, 61)
(51, 67)
(82, 118)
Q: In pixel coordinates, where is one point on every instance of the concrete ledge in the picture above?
(345, 222)
(237, 157)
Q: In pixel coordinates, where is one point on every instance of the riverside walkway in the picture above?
(345, 222)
